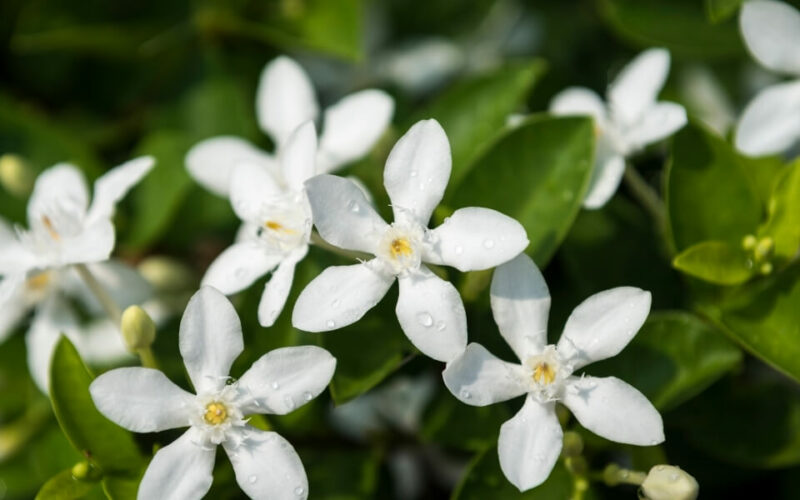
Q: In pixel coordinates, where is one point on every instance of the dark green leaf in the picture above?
(451, 423)
(717, 262)
(340, 474)
(720, 10)
(121, 488)
(63, 486)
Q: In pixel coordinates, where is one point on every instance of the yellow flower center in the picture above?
(400, 247)
(39, 281)
(216, 413)
(277, 226)
(48, 224)
(544, 373)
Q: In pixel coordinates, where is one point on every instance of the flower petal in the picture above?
(141, 399)
(579, 101)
(94, 244)
(474, 239)
(771, 121)
(637, 86)
(478, 378)
(210, 339)
(298, 156)
(340, 296)
(239, 265)
(658, 122)
(122, 282)
(251, 186)
(609, 167)
(267, 466)
(285, 99)
(16, 258)
(432, 315)
(529, 444)
(51, 319)
(115, 184)
(12, 303)
(62, 186)
(352, 126)
(99, 342)
(211, 162)
(343, 215)
(276, 290)
(520, 305)
(287, 378)
(179, 471)
(417, 171)
(771, 31)
(614, 410)
(602, 325)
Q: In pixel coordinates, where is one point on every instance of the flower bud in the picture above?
(166, 274)
(15, 175)
(749, 242)
(138, 329)
(668, 482)
(573, 444)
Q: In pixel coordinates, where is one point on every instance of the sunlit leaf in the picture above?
(717, 262)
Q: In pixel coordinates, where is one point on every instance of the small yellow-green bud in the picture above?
(15, 175)
(668, 482)
(611, 474)
(764, 248)
(166, 274)
(577, 465)
(749, 242)
(81, 470)
(573, 444)
(766, 268)
(138, 329)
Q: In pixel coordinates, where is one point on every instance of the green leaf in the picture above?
(484, 479)
(63, 486)
(717, 262)
(121, 488)
(674, 357)
(679, 25)
(473, 112)
(720, 10)
(99, 440)
(341, 474)
(708, 194)
(783, 224)
(451, 423)
(536, 173)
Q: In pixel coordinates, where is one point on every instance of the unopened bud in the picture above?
(84, 471)
(15, 175)
(668, 482)
(573, 444)
(166, 274)
(138, 329)
(749, 242)
(766, 268)
(764, 248)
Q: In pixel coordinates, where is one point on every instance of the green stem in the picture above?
(106, 302)
(646, 195)
(147, 358)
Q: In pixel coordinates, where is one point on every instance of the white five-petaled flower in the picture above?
(276, 225)
(429, 308)
(599, 328)
(285, 100)
(771, 121)
(65, 229)
(145, 400)
(631, 120)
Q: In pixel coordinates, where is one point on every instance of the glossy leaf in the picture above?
(454, 424)
(717, 262)
(783, 224)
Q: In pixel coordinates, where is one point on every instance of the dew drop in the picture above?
(335, 303)
(465, 394)
(330, 323)
(353, 206)
(459, 249)
(425, 319)
(299, 491)
(673, 477)
(289, 402)
(252, 479)
(413, 173)
(275, 385)
(441, 325)
(653, 442)
(308, 396)
(488, 243)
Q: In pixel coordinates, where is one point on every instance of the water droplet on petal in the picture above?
(275, 385)
(673, 477)
(289, 402)
(465, 394)
(425, 319)
(299, 491)
(240, 273)
(330, 323)
(413, 173)
(335, 303)
(352, 205)
(488, 243)
(441, 325)
(308, 396)
(252, 479)
(459, 249)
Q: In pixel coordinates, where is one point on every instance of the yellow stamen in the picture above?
(48, 224)
(400, 247)
(216, 413)
(544, 374)
(277, 226)
(39, 281)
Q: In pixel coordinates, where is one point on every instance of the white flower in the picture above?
(145, 400)
(429, 309)
(771, 121)
(284, 101)
(599, 328)
(631, 120)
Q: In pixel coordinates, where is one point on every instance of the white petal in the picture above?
(602, 325)
(115, 184)
(16, 258)
(122, 282)
(658, 122)
(285, 99)
(340, 296)
(637, 86)
(473, 239)
(771, 121)
(210, 339)
(250, 187)
(478, 378)
(343, 215)
(529, 444)
(100, 342)
(179, 471)
(94, 244)
(520, 305)
(239, 266)
(417, 171)
(771, 31)
(276, 290)
(287, 378)
(298, 156)
(12, 303)
(141, 399)
(62, 186)
(211, 162)
(579, 101)
(352, 126)
(609, 167)
(432, 315)
(614, 410)
(267, 466)
(7, 234)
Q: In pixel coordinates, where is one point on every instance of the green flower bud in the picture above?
(766, 268)
(138, 329)
(668, 482)
(15, 175)
(573, 444)
(764, 248)
(166, 274)
(749, 242)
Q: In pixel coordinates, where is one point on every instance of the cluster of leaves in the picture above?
(95, 82)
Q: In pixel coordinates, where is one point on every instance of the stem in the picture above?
(147, 358)
(647, 196)
(317, 240)
(111, 308)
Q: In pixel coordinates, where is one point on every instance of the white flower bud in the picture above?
(668, 482)
(138, 329)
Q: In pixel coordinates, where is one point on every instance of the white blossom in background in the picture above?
(599, 328)
(284, 101)
(630, 120)
(64, 229)
(429, 308)
(771, 121)
(210, 339)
